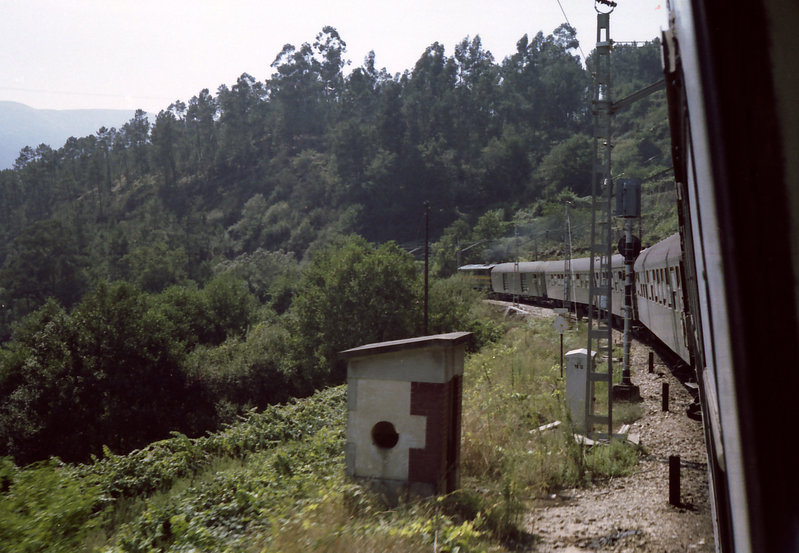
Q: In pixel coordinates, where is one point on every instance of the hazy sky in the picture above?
(128, 54)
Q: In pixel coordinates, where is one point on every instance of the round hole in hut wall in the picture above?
(384, 435)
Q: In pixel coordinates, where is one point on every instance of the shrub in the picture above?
(353, 293)
(45, 508)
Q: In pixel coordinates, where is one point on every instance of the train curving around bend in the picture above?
(724, 292)
(657, 299)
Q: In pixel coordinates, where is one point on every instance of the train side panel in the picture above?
(580, 282)
(660, 295)
(732, 87)
(554, 275)
(479, 275)
(505, 279)
(524, 279)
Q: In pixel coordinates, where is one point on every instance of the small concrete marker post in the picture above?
(577, 369)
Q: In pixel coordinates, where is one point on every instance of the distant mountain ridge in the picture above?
(22, 125)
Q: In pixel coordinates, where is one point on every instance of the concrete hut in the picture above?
(404, 412)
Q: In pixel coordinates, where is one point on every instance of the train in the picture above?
(723, 293)
(657, 295)
(731, 89)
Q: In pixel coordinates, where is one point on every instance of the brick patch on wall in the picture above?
(437, 463)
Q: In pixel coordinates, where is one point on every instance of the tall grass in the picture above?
(512, 389)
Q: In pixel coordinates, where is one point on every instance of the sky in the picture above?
(130, 54)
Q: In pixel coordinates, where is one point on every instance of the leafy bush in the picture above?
(108, 373)
(241, 374)
(45, 508)
(455, 306)
(353, 293)
(275, 480)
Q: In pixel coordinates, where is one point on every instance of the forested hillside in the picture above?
(200, 259)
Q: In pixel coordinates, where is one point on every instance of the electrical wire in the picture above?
(579, 47)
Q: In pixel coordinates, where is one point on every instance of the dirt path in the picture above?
(633, 513)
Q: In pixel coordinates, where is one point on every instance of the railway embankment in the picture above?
(633, 513)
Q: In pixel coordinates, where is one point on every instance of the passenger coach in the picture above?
(659, 292)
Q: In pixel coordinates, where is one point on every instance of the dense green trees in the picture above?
(124, 366)
(108, 373)
(463, 131)
(47, 263)
(219, 225)
(111, 371)
(353, 293)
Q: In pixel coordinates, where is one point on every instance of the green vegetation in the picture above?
(260, 170)
(275, 480)
(182, 276)
(513, 388)
(125, 367)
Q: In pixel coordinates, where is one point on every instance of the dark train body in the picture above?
(732, 85)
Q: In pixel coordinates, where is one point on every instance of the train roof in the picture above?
(521, 266)
(475, 267)
(581, 264)
(667, 250)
